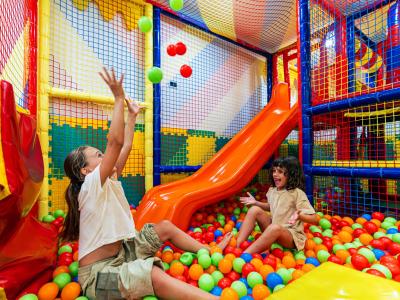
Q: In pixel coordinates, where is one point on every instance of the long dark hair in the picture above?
(75, 161)
(293, 171)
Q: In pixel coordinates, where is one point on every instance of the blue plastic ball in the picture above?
(313, 261)
(366, 217)
(217, 233)
(273, 279)
(263, 255)
(238, 225)
(392, 231)
(233, 218)
(247, 257)
(247, 298)
(244, 281)
(217, 291)
(378, 253)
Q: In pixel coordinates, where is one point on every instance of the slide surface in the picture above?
(229, 171)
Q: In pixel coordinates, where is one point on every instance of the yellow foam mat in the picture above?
(333, 282)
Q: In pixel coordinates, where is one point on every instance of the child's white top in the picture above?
(105, 215)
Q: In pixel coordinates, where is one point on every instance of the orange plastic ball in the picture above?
(167, 257)
(195, 271)
(257, 263)
(48, 291)
(288, 262)
(71, 291)
(59, 270)
(229, 294)
(365, 238)
(176, 269)
(265, 270)
(225, 265)
(260, 291)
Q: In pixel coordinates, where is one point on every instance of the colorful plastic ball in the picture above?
(244, 280)
(155, 74)
(273, 279)
(260, 292)
(171, 50)
(145, 24)
(323, 255)
(186, 258)
(59, 213)
(383, 269)
(181, 50)
(48, 291)
(359, 261)
(176, 5)
(378, 253)
(229, 294)
(73, 268)
(247, 269)
(48, 219)
(378, 216)
(195, 271)
(204, 260)
(218, 233)
(278, 287)
(186, 71)
(62, 280)
(202, 251)
(206, 282)
(238, 264)
(240, 288)
(217, 291)
(392, 231)
(368, 254)
(313, 261)
(217, 276)
(246, 298)
(247, 257)
(325, 224)
(144, 298)
(285, 274)
(216, 258)
(254, 278)
(71, 291)
(366, 217)
(29, 297)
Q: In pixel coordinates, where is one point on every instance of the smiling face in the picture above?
(280, 177)
(93, 158)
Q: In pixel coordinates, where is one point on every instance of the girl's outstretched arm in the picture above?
(133, 111)
(115, 138)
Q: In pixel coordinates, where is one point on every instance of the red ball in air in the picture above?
(186, 71)
(171, 50)
(180, 48)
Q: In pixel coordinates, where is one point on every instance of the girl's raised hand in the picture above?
(133, 107)
(114, 84)
(250, 200)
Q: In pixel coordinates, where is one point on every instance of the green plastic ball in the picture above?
(275, 245)
(390, 220)
(204, 260)
(238, 264)
(240, 288)
(59, 213)
(314, 229)
(386, 225)
(378, 234)
(149, 298)
(317, 240)
(155, 74)
(338, 247)
(368, 254)
(48, 219)
(216, 257)
(217, 276)
(396, 238)
(145, 24)
(202, 251)
(285, 274)
(325, 224)
(323, 255)
(356, 225)
(74, 268)
(254, 278)
(86, 298)
(62, 280)
(64, 249)
(176, 5)
(29, 297)
(384, 270)
(166, 266)
(206, 282)
(186, 258)
(278, 287)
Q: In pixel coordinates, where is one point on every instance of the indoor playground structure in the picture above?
(227, 86)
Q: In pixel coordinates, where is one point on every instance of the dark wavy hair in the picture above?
(75, 161)
(293, 171)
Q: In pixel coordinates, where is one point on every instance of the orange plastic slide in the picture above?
(229, 171)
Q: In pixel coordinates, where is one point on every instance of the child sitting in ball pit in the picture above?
(289, 209)
(115, 260)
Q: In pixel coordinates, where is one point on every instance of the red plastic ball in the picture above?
(224, 283)
(186, 71)
(180, 48)
(171, 50)
(359, 262)
(376, 273)
(378, 215)
(247, 269)
(370, 227)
